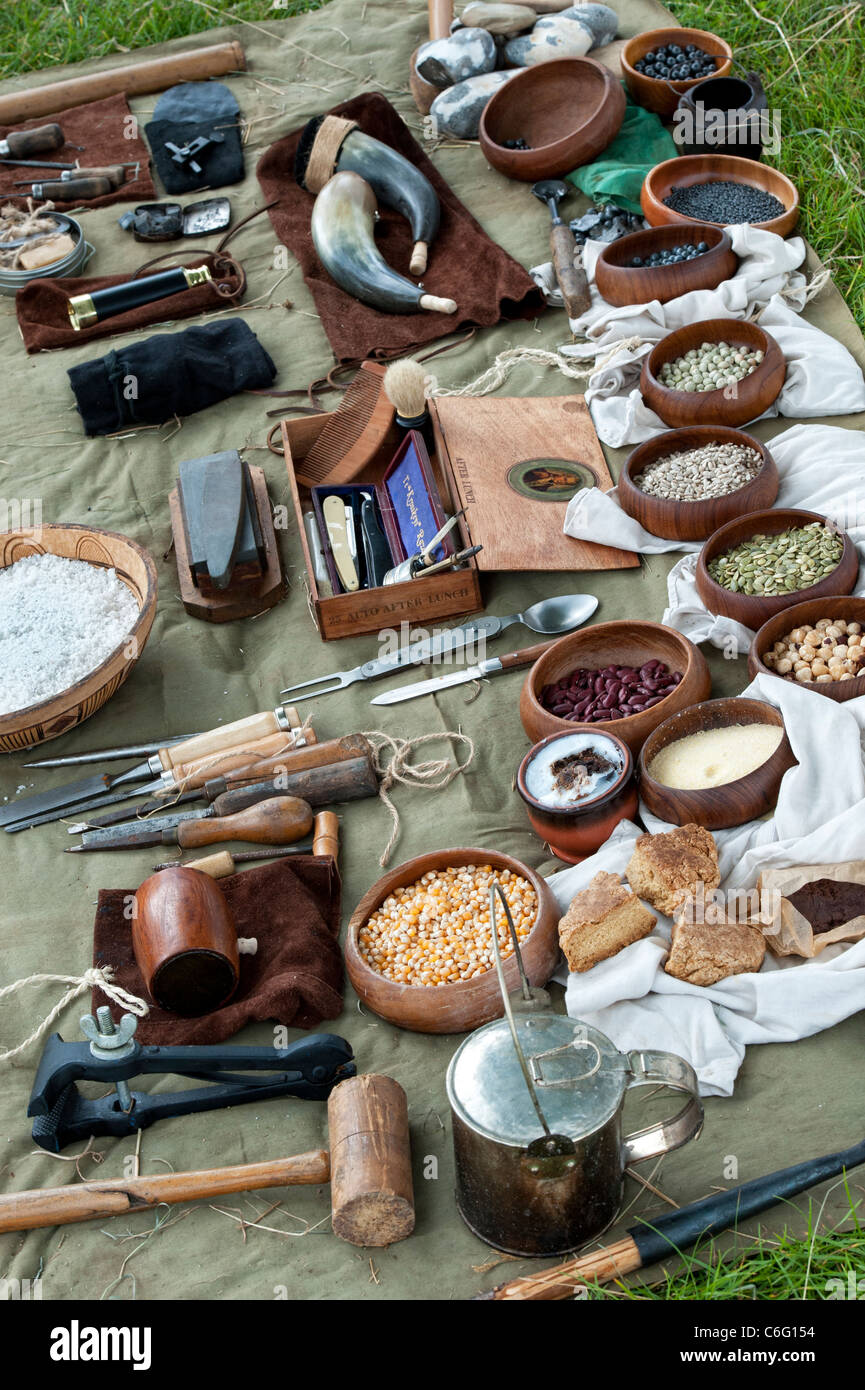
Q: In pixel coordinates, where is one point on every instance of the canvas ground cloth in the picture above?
(790, 1102)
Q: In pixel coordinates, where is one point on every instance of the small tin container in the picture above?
(574, 825)
(71, 264)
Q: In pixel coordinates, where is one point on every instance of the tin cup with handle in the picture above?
(536, 1101)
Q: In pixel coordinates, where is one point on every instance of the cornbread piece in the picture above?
(702, 954)
(601, 921)
(667, 869)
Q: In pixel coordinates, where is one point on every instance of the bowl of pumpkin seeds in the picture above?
(717, 372)
(758, 565)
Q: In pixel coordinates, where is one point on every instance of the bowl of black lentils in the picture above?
(764, 562)
(663, 263)
(713, 372)
(683, 484)
(661, 64)
(722, 189)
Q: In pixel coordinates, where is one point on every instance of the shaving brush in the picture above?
(407, 386)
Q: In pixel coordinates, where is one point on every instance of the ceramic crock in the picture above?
(544, 1181)
(738, 101)
(573, 832)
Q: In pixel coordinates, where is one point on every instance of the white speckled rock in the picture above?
(599, 19)
(466, 53)
(498, 18)
(457, 111)
(552, 37)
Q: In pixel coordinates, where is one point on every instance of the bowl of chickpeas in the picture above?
(419, 948)
(819, 644)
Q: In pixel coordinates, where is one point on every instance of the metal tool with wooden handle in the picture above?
(278, 821)
(222, 864)
(563, 248)
(368, 1166)
(284, 719)
(22, 144)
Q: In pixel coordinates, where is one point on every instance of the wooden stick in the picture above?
(326, 835)
(333, 750)
(562, 1281)
(319, 786)
(135, 79)
(87, 1201)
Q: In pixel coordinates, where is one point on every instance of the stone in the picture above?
(498, 18)
(600, 20)
(466, 53)
(552, 37)
(457, 111)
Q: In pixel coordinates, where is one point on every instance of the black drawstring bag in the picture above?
(170, 374)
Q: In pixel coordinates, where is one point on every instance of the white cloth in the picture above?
(821, 469)
(801, 454)
(819, 818)
(823, 378)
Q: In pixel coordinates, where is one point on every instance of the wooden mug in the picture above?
(185, 942)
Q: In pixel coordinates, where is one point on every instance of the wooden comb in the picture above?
(353, 434)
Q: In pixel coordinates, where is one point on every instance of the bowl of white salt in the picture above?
(76, 607)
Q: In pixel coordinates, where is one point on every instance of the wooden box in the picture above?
(451, 594)
(494, 456)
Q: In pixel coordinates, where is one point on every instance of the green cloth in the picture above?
(642, 142)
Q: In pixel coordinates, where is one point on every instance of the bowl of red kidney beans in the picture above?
(590, 697)
(624, 676)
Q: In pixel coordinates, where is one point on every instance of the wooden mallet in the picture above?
(368, 1167)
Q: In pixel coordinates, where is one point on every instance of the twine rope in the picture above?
(393, 764)
(97, 977)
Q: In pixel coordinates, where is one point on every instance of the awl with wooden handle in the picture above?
(325, 842)
(279, 821)
(284, 719)
(40, 140)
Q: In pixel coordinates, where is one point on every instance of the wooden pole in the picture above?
(135, 79)
(87, 1201)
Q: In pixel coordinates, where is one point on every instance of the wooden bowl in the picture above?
(627, 643)
(705, 168)
(716, 808)
(461, 1007)
(108, 550)
(567, 110)
(752, 396)
(655, 93)
(851, 609)
(693, 521)
(753, 610)
(620, 283)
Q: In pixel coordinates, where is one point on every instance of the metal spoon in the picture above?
(555, 614)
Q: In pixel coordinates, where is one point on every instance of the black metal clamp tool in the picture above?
(308, 1069)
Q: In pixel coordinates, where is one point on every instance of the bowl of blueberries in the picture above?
(662, 64)
(664, 262)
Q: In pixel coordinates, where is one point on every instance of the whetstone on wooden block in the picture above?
(490, 442)
(246, 600)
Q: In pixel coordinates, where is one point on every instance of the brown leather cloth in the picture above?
(292, 908)
(464, 263)
(102, 127)
(43, 314)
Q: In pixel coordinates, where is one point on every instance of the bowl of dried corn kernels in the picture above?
(419, 948)
(819, 644)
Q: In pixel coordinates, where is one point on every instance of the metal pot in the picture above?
(536, 1100)
(71, 264)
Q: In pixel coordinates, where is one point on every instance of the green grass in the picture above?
(811, 66)
(779, 1267)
